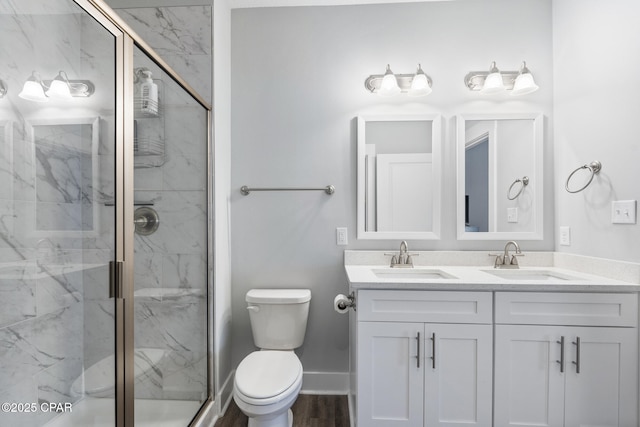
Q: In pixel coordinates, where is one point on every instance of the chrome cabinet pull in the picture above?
(433, 350)
(561, 361)
(577, 361)
(418, 356)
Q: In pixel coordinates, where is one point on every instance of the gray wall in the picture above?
(596, 115)
(298, 85)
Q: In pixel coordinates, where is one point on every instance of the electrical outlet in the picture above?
(565, 236)
(342, 237)
(512, 214)
(623, 212)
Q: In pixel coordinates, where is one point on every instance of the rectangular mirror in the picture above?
(500, 177)
(65, 171)
(399, 176)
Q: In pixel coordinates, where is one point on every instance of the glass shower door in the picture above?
(57, 215)
(170, 248)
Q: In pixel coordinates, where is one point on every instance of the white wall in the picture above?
(597, 107)
(222, 177)
(297, 87)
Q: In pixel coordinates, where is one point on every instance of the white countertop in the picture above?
(471, 271)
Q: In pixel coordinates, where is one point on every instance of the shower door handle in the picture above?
(116, 270)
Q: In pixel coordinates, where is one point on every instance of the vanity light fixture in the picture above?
(389, 84)
(60, 87)
(3, 89)
(517, 82)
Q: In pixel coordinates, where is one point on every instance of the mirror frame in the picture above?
(6, 153)
(94, 122)
(538, 199)
(436, 152)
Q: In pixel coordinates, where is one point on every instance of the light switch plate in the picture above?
(565, 236)
(512, 214)
(623, 212)
(342, 238)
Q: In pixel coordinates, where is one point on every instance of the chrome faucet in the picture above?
(504, 261)
(404, 258)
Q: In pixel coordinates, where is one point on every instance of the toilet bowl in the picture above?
(99, 379)
(267, 382)
(266, 385)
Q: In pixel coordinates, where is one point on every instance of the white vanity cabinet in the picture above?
(565, 359)
(424, 358)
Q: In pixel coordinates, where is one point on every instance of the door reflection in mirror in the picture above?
(496, 152)
(399, 163)
(477, 184)
(399, 176)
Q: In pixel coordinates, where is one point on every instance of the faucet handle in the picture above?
(500, 260)
(514, 260)
(409, 260)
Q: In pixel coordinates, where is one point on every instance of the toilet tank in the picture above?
(278, 317)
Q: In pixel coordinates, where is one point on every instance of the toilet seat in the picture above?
(267, 377)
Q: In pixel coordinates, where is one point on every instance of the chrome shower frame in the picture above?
(126, 39)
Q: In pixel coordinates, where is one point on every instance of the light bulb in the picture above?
(33, 90)
(59, 88)
(524, 83)
(419, 84)
(389, 85)
(493, 83)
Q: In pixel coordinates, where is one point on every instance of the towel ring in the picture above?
(523, 183)
(594, 167)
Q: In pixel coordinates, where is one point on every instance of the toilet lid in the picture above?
(265, 374)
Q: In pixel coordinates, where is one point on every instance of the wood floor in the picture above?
(308, 411)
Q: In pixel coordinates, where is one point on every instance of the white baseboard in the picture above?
(352, 415)
(225, 394)
(325, 383)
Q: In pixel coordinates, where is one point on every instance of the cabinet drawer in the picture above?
(425, 306)
(551, 308)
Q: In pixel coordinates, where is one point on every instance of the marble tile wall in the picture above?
(182, 36)
(56, 318)
(53, 249)
(175, 256)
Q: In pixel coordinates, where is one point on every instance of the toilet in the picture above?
(267, 382)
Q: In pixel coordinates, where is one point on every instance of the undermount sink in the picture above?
(530, 275)
(412, 273)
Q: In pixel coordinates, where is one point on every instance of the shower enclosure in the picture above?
(105, 225)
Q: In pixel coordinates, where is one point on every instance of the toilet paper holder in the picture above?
(350, 304)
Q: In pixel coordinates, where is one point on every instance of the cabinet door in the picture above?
(604, 391)
(390, 382)
(458, 382)
(529, 384)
